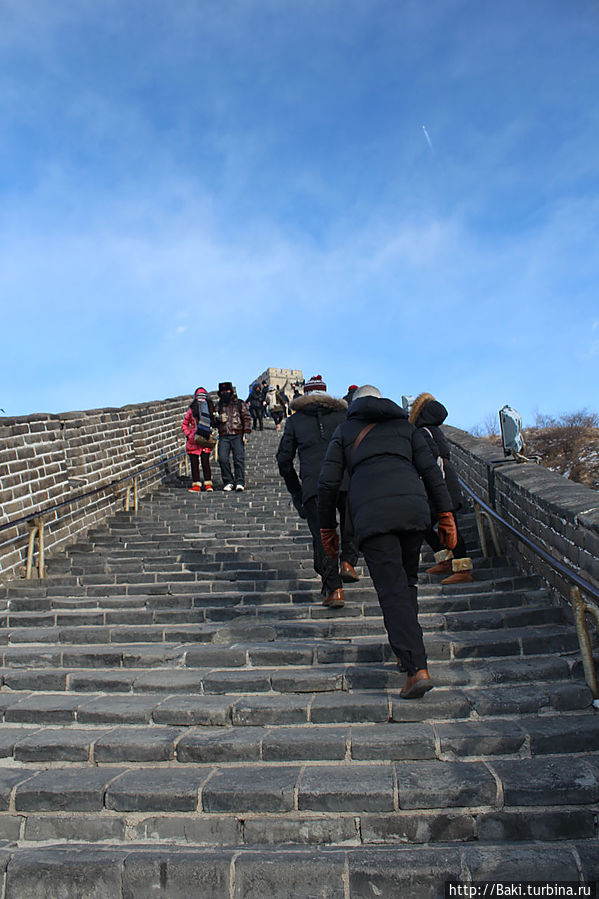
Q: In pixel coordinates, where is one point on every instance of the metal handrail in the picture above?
(36, 520)
(580, 605)
(74, 499)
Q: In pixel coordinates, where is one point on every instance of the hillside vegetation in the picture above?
(568, 444)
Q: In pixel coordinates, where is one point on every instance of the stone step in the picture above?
(251, 863)
(267, 697)
(355, 664)
(520, 737)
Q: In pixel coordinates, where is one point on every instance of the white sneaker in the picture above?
(240, 487)
(227, 488)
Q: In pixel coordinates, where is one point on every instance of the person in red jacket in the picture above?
(196, 425)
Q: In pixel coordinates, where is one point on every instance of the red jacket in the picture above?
(188, 426)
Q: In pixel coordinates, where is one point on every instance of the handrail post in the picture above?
(580, 608)
(481, 529)
(135, 496)
(127, 496)
(41, 549)
(493, 531)
(30, 549)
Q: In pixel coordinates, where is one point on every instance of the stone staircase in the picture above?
(182, 717)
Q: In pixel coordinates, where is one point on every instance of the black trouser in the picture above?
(432, 538)
(277, 417)
(392, 560)
(349, 548)
(257, 417)
(231, 443)
(327, 568)
(194, 458)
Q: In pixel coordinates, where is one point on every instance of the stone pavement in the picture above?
(182, 717)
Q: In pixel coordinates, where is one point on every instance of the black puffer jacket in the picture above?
(307, 433)
(429, 414)
(386, 490)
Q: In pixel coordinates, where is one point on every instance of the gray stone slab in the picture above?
(546, 863)
(445, 784)
(10, 736)
(561, 733)
(425, 827)
(314, 743)
(119, 709)
(257, 789)
(342, 707)
(137, 744)
(57, 745)
(543, 824)
(480, 737)
(168, 681)
(157, 790)
(9, 778)
(177, 873)
(270, 709)
(393, 741)
(91, 828)
(208, 656)
(308, 680)
(36, 679)
(65, 789)
(347, 788)
(221, 744)
(280, 653)
(244, 680)
(541, 781)
(10, 827)
(224, 830)
(443, 704)
(98, 679)
(184, 710)
(588, 853)
(319, 830)
(51, 708)
(263, 875)
(73, 873)
(403, 871)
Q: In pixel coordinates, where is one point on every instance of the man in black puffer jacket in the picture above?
(393, 476)
(307, 433)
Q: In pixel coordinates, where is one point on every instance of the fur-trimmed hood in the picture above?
(427, 411)
(311, 401)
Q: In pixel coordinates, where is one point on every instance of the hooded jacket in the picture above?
(429, 414)
(393, 473)
(307, 433)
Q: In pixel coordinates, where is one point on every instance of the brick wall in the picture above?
(559, 515)
(47, 459)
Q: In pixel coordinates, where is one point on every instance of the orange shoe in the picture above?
(334, 600)
(417, 685)
(196, 487)
(462, 572)
(348, 573)
(208, 487)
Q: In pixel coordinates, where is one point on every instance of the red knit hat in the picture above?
(200, 390)
(315, 383)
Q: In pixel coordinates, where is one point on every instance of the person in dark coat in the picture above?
(428, 414)
(393, 478)
(256, 406)
(307, 434)
(349, 549)
(234, 424)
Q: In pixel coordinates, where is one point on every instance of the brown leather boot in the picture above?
(462, 572)
(334, 600)
(443, 562)
(417, 685)
(348, 573)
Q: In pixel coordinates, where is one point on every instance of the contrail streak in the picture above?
(428, 140)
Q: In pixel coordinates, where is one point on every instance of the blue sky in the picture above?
(191, 192)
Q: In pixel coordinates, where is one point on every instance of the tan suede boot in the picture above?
(462, 572)
(443, 559)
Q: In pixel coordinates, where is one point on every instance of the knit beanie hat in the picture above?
(315, 383)
(200, 392)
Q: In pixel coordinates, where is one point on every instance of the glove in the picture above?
(330, 542)
(296, 499)
(448, 533)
